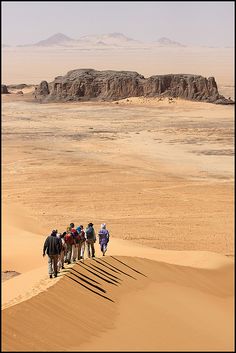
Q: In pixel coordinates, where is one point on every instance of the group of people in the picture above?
(70, 245)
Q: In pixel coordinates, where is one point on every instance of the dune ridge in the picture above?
(140, 290)
(100, 295)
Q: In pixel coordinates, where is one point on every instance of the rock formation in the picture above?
(4, 89)
(19, 86)
(89, 84)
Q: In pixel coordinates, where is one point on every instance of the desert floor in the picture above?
(161, 175)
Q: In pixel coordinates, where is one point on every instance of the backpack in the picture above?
(89, 233)
(69, 238)
(81, 237)
(74, 233)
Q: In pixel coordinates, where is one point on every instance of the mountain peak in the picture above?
(166, 42)
(116, 35)
(115, 38)
(57, 38)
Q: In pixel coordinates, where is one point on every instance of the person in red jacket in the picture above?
(70, 241)
(74, 234)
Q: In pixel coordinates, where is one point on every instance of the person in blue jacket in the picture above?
(103, 238)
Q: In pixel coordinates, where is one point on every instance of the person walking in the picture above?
(104, 236)
(61, 259)
(52, 247)
(69, 239)
(90, 239)
(74, 234)
(80, 240)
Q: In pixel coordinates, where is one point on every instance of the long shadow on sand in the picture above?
(128, 266)
(115, 278)
(88, 282)
(95, 274)
(100, 271)
(111, 269)
(100, 262)
(93, 280)
(83, 285)
(73, 269)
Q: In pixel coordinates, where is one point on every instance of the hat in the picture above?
(90, 224)
(54, 232)
(103, 226)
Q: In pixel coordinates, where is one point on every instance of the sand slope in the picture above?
(126, 303)
(22, 241)
(176, 300)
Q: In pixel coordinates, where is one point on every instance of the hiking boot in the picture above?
(55, 275)
(50, 276)
(63, 267)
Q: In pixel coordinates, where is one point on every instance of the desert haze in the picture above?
(58, 54)
(158, 172)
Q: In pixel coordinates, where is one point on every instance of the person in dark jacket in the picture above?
(52, 246)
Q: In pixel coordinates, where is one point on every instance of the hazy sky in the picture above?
(197, 22)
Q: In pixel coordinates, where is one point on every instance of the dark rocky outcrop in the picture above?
(42, 89)
(18, 86)
(4, 89)
(89, 84)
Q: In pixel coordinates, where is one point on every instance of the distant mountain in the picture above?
(56, 39)
(116, 39)
(103, 41)
(110, 39)
(166, 42)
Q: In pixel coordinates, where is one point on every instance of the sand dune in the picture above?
(126, 303)
(175, 300)
(22, 240)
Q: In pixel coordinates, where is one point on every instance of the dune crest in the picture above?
(157, 299)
